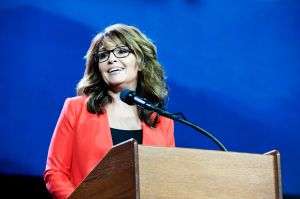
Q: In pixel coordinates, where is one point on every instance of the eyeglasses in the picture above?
(119, 52)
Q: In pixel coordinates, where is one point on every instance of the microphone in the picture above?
(130, 98)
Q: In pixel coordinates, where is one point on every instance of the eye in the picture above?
(122, 50)
(102, 55)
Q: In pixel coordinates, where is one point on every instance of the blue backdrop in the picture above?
(233, 69)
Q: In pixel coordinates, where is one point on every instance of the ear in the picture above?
(139, 68)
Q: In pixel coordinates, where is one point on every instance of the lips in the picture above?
(115, 69)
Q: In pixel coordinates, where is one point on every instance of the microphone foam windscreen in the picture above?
(126, 96)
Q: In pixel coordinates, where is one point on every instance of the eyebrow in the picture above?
(118, 45)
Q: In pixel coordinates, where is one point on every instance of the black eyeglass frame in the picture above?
(96, 58)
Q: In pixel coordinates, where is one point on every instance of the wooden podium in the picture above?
(135, 171)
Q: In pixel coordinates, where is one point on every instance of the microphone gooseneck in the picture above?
(131, 98)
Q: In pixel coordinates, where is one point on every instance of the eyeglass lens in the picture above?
(119, 52)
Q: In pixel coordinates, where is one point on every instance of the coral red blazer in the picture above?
(81, 139)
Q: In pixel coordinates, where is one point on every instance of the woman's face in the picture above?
(119, 73)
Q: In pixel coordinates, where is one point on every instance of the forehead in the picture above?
(109, 44)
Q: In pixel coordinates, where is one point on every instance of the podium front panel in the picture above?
(179, 173)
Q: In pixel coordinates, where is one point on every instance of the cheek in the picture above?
(138, 66)
(102, 73)
(101, 69)
(132, 61)
(135, 65)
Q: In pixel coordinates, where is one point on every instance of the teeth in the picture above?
(115, 69)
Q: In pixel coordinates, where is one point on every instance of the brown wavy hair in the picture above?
(151, 78)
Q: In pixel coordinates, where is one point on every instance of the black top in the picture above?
(120, 135)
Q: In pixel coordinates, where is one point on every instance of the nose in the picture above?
(112, 58)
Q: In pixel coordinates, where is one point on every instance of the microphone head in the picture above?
(127, 95)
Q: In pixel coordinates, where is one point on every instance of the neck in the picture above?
(118, 107)
(117, 100)
(115, 92)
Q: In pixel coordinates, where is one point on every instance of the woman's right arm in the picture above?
(57, 172)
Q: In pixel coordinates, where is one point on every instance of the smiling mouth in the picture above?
(115, 69)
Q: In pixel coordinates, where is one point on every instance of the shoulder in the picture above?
(76, 101)
(75, 104)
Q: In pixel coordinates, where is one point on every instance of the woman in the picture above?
(120, 57)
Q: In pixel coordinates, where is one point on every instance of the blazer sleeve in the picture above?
(57, 172)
